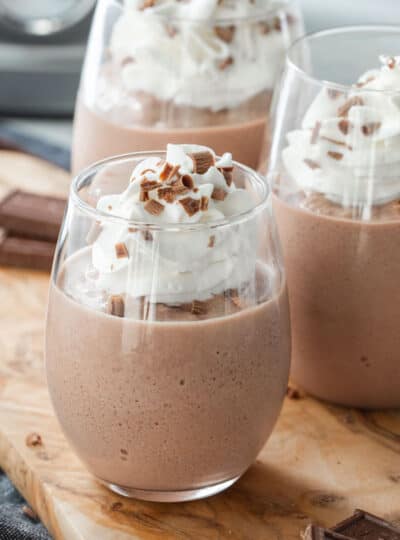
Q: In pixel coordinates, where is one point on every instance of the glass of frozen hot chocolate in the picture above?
(168, 334)
(336, 155)
(194, 71)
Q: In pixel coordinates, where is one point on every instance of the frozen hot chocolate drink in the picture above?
(338, 209)
(168, 328)
(195, 71)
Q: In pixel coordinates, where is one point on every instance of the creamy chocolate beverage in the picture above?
(338, 211)
(168, 348)
(182, 72)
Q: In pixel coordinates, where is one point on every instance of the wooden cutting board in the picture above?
(320, 464)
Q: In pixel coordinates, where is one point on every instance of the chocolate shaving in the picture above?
(168, 171)
(116, 305)
(219, 194)
(143, 196)
(265, 28)
(277, 24)
(334, 94)
(225, 33)
(149, 185)
(29, 512)
(147, 4)
(335, 155)
(333, 141)
(371, 128)
(121, 251)
(147, 236)
(364, 83)
(352, 102)
(315, 133)
(33, 439)
(94, 232)
(204, 204)
(211, 241)
(199, 308)
(202, 161)
(344, 126)
(190, 205)
(153, 207)
(312, 164)
(228, 174)
(391, 62)
(225, 63)
(166, 194)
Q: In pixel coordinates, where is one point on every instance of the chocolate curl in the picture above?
(167, 194)
(202, 161)
(225, 63)
(219, 194)
(168, 172)
(183, 184)
(371, 128)
(190, 205)
(153, 207)
(228, 174)
(312, 164)
(116, 305)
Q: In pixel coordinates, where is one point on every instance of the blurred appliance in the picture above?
(42, 44)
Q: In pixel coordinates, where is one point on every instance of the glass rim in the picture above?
(339, 30)
(273, 10)
(79, 181)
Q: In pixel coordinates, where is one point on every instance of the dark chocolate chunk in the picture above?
(26, 253)
(31, 215)
(318, 533)
(365, 526)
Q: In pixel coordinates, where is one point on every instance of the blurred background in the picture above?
(42, 44)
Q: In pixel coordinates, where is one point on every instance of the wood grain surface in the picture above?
(320, 463)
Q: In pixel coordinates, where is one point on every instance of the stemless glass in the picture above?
(336, 156)
(167, 394)
(193, 72)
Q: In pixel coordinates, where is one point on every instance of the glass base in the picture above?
(170, 496)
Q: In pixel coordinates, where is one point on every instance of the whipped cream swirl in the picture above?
(178, 51)
(348, 147)
(173, 266)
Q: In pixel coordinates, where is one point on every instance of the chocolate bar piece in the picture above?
(318, 533)
(31, 215)
(26, 253)
(365, 526)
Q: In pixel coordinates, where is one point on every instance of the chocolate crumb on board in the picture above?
(202, 161)
(225, 33)
(116, 305)
(116, 506)
(190, 205)
(33, 439)
(371, 128)
(153, 207)
(219, 194)
(29, 512)
(121, 251)
(312, 164)
(199, 308)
